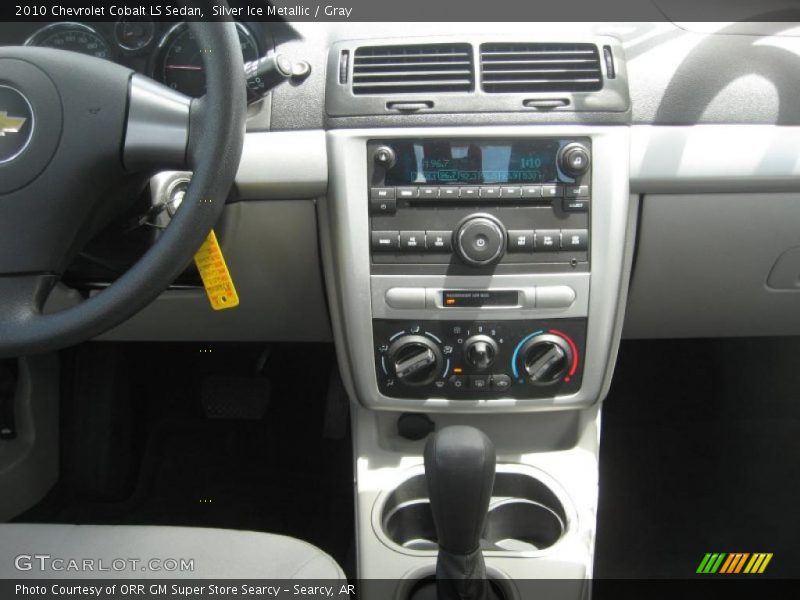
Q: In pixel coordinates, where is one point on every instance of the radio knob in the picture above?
(546, 359)
(415, 359)
(480, 240)
(385, 157)
(480, 351)
(574, 159)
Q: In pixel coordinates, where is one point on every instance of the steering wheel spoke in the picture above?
(157, 128)
(23, 297)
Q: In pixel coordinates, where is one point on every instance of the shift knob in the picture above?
(459, 467)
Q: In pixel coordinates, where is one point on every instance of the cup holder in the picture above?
(525, 515)
(523, 526)
(411, 525)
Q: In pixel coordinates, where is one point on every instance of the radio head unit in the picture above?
(480, 204)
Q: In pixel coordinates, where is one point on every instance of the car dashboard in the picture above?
(476, 219)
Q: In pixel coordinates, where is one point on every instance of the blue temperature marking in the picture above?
(516, 351)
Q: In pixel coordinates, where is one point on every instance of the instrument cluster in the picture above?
(167, 52)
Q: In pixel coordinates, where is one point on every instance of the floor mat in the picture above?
(233, 475)
(700, 452)
(277, 474)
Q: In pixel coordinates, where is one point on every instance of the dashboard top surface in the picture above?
(678, 74)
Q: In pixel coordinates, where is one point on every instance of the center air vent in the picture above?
(423, 68)
(542, 67)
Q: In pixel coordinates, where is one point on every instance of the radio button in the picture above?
(574, 159)
(551, 191)
(412, 241)
(480, 240)
(547, 240)
(448, 192)
(439, 241)
(382, 193)
(405, 298)
(470, 193)
(378, 206)
(576, 191)
(511, 191)
(520, 240)
(428, 191)
(490, 191)
(531, 191)
(575, 204)
(574, 240)
(406, 192)
(386, 241)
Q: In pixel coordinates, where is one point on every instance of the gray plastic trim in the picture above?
(699, 158)
(529, 285)
(703, 266)
(275, 165)
(715, 158)
(344, 223)
(283, 165)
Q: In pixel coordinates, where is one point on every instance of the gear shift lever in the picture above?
(459, 467)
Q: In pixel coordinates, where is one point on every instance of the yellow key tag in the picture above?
(215, 275)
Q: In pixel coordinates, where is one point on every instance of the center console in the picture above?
(478, 275)
(478, 207)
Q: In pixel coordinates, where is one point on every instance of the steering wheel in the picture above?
(73, 129)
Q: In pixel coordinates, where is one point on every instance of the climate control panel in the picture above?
(479, 359)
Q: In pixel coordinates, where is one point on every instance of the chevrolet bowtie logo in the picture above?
(10, 124)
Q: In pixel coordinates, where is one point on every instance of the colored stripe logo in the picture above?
(734, 563)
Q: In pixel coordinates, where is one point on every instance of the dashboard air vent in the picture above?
(422, 68)
(540, 67)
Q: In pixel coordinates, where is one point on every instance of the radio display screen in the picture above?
(484, 162)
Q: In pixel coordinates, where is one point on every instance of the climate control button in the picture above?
(500, 383)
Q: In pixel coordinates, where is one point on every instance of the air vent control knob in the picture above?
(574, 159)
(415, 359)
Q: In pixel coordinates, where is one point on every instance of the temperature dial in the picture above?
(546, 359)
(415, 359)
(480, 351)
